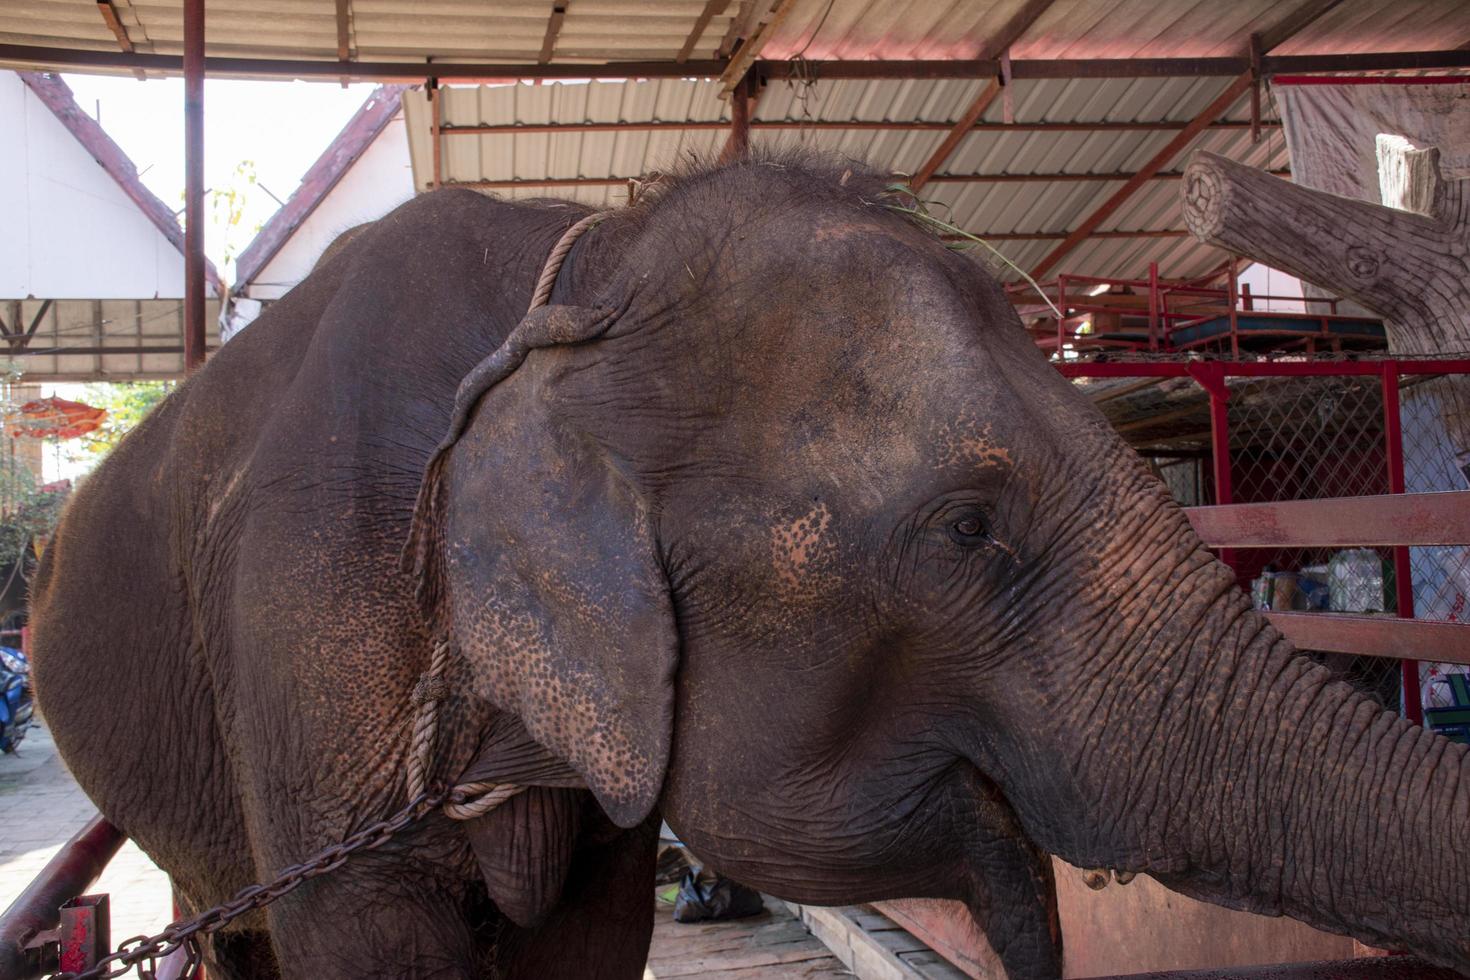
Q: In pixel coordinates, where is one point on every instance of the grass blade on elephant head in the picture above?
(919, 211)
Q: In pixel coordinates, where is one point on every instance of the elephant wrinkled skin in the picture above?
(774, 524)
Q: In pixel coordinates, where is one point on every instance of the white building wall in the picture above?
(1266, 281)
(376, 183)
(67, 230)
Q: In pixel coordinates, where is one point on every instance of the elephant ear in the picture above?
(539, 556)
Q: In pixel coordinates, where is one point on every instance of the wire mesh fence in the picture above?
(1309, 432)
(1306, 438)
(1440, 575)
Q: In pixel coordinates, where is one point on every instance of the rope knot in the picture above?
(430, 687)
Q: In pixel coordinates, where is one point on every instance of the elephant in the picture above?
(773, 524)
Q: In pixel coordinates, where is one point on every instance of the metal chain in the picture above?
(463, 802)
(140, 949)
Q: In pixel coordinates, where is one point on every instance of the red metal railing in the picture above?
(49, 927)
(1170, 306)
(52, 927)
(1367, 636)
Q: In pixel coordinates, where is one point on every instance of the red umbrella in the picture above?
(55, 418)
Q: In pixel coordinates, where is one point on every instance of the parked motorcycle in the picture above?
(16, 703)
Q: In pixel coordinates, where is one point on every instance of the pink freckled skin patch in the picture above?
(968, 442)
(795, 545)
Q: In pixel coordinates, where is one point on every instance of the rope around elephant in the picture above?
(466, 801)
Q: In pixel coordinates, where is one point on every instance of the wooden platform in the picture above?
(771, 946)
(874, 947)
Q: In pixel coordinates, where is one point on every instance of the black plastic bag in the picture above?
(672, 866)
(706, 896)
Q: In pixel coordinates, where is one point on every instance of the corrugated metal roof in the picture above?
(619, 30)
(1044, 208)
(921, 29)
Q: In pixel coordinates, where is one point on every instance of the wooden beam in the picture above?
(553, 28)
(738, 24)
(882, 125)
(1156, 163)
(194, 69)
(744, 56)
(1417, 519)
(115, 24)
(960, 130)
(712, 9)
(344, 31)
(120, 31)
(1019, 23)
(1375, 636)
(1294, 22)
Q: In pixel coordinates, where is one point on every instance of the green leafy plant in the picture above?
(127, 404)
(28, 510)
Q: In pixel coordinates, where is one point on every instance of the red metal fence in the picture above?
(1280, 433)
(1154, 314)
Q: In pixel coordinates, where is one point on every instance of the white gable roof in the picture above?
(363, 174)
(375, 183)
(71, 229)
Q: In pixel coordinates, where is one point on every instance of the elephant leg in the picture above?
(601, 928)
(377, 917)
(241, 955)
(1013, 896)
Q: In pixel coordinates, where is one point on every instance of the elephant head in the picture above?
(789, 531)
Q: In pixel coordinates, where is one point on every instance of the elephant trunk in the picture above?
(1237, 771)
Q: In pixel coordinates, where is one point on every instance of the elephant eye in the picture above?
(969, 531)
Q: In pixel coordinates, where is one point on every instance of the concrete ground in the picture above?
(41, 806)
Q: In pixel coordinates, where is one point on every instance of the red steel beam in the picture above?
(803, 125)
(60, 58)
(1060, 178)
(1263, 369)
(1157, 162)
(1056, 236)
(742, 103)
(435, 123)
(1052, 178)
(1375, 636)
(957, 133)
(1408, 519)
(1393, 439)
(194, 68)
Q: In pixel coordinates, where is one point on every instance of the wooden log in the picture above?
(1411, 266)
